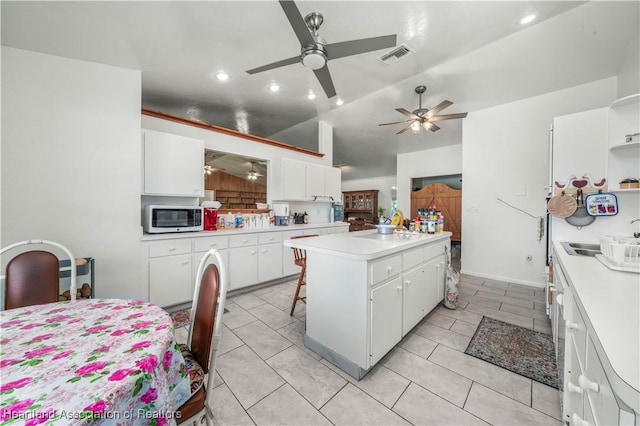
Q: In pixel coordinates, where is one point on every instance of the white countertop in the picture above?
(227, 232)
(364, 245)
(611, 300)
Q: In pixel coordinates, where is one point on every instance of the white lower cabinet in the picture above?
(399, 303)
(414, 298)
(588, 398)
(170, 280)
(170, 272)
(269, 262)
(243, 267)
(386, 318)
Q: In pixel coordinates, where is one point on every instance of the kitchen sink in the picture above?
(581, 249)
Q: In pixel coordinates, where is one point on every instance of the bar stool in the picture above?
(300, 259)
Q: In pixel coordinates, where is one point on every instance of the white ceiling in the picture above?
(473, 53)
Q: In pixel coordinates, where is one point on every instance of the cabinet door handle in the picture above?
(173, 248)
(185, 262)
(264, 250)
(399, 288)
(213, 244)
(245, 241)
(408, 282)
(587, 384)
(576, 420)
(253, 252)
(559, 299)
(573, 388)
(389, 269)
(572, 325)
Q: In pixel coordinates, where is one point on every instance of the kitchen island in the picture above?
(365, 291)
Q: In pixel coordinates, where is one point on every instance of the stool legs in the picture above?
(301, 282)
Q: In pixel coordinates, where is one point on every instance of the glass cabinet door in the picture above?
(367, 202)
(360, 201)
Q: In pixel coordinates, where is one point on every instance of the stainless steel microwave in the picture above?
(158, 219)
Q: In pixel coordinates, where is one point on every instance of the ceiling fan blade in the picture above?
(433, 127)
(448, 116)
(282, 63)
(325, 81)
(355, 47)
(408, 113)
(297, 22)
(395, 122)
(405, 129)
(436, 109)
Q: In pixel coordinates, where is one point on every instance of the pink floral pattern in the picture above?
(115, 361)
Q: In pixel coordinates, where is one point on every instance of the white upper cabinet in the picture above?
(301, 181)
(172, 165)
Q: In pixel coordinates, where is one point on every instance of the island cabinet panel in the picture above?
(415, 292)
(386, 317)
(364, 296)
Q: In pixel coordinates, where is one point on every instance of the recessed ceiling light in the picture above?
(339, 102)
(274, 87)
(528, 18)
(311, 96)
(222, 76)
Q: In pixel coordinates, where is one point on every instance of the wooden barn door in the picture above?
(447, 200)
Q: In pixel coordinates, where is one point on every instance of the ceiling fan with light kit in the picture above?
(314, 50)
(253, 174)
(424, 117)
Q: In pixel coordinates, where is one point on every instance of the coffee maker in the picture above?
(281, 213)
(210, 219)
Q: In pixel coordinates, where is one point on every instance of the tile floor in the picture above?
(266, 376)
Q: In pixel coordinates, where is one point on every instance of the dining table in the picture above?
(94, 361)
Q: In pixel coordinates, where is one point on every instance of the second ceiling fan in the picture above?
(314, 50)
(424, 117)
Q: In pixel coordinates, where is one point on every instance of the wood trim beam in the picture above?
(218, 129)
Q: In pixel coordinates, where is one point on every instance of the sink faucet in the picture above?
(635, 234)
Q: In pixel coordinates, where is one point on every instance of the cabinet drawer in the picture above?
(270, 237)
(433, 250)
(243, 240)
(412, 258)
(205, 244)
(385, 268)
(603, 401)
(169, 248)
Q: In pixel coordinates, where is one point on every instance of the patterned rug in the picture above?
(517, 349)
(181, 318)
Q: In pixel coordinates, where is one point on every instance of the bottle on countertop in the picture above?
(306, 218)
(230, 221)
(440, 227)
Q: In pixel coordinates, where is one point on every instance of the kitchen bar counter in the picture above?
(611, 301)
(228, 232)
(366, 291)
(366, 245)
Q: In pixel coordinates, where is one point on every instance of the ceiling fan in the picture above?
(315, 52)
(253, 174)
(424, 117)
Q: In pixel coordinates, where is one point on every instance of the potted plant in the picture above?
(380, 212)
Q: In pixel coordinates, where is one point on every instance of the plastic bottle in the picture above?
(440, 223)
(230, 221)
(306, 217)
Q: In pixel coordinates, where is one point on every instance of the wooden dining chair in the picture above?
(205, 328)
(33, 277)
(300, 259)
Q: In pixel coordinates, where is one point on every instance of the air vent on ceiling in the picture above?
(396, 54)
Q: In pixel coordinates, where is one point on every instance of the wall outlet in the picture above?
(529, 258)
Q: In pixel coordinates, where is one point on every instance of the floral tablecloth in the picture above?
(99, 361)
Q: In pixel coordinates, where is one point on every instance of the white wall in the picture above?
(629, 70)
(505, 154)
(71, 163)
(382, 184)
(442, 161)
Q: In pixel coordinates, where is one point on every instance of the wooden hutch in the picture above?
(360, 209)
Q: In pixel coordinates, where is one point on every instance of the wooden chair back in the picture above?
(300, 255)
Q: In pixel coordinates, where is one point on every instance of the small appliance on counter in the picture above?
(338, 212)
(210, 212)
(281, 213)
(161, 218)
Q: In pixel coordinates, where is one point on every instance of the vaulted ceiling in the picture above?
(474, 53)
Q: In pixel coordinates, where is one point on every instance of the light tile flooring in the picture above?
(266, 376)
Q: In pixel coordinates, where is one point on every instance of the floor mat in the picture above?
(181, 318)
(517, 349)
